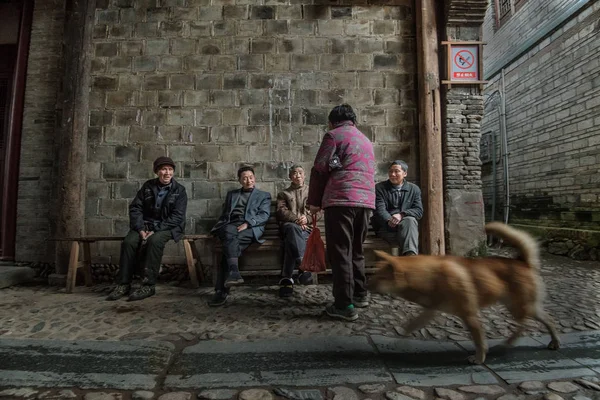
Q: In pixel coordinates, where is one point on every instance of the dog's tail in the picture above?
(525, 243)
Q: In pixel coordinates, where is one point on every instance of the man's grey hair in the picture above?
(294, 167)
(401, 163)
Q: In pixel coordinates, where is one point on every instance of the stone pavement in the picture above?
(343, 368)
(260, 347)
(255, 312)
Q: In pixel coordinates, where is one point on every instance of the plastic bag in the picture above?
(314, 255)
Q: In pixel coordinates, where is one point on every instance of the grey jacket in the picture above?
(257, 213)
(411, 203)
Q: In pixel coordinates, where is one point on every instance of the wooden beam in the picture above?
(72, 155)
(430, 128)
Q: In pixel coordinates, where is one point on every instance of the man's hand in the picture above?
(302, 220)
(242, 227)
(395, 220)
(144, 234)
(314, 209)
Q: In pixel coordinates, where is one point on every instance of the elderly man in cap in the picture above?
(156, 215)
(398, 209)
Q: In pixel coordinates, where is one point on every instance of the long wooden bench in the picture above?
(272, 243)
(83, 244)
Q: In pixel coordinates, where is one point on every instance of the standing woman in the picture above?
(342, 182)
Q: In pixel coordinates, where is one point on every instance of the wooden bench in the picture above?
(83, 243)
(274, 243)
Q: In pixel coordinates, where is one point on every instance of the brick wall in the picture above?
(553, 120)
(463, 201)
(218, 85)
(531, 17)
(34, 206)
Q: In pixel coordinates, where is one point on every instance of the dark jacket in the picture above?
(411, 203)
(257, 213)
(172, 212)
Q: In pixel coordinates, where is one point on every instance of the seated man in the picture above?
(242, 222)
(156, 215)
(398, 209)
(295, 226)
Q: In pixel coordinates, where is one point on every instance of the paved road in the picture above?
(317, 363)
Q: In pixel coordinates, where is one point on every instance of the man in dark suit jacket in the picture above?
(242, 222)
(398, 208)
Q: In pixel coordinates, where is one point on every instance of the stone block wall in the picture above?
(217, 84)
(552, 115)
(40, 120)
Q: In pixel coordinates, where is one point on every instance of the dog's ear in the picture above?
(383, 255)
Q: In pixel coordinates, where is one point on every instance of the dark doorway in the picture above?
(15, 27)
(7, 70)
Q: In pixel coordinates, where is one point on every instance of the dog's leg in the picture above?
(516, 334)
(474, 325)
(420, 321)
(545, 319)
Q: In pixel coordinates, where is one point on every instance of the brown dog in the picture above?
(462, 286)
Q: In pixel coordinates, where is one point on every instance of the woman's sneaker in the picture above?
(361, 300)
(347, 314)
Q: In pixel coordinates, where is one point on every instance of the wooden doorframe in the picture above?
(10, 183)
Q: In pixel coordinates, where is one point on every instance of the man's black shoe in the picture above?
(218, 299)
(286, 288)
(118, 292)
(234, 278)
(305, 278)
(142, 293)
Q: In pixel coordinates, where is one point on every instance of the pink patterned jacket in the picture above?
(353, 185)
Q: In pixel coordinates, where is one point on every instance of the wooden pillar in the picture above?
(72, 145)
(430, 128)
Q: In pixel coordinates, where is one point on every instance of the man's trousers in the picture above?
(234, 243)
(405, 235)
(294, 245)
(151, 256)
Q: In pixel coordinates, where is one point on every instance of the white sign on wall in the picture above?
(464, 63)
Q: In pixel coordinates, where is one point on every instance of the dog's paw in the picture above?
(554, 345)
(476, 360)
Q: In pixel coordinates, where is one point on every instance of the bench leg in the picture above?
(191, 263)
(87, 264)
(216, 265)
(72, 272)
(199, 265)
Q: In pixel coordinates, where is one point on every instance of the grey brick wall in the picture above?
(218, 85)
(35, 197)
(553, 121)
(531, 17)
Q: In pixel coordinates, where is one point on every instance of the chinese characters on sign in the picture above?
(464, 63)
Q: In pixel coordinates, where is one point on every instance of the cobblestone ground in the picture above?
(253, 312)
(586, 388)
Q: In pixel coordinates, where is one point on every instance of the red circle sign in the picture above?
(464, 59)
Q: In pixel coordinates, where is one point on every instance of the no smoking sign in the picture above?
(464, 63)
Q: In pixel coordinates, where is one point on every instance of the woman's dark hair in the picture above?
(244, 169)
(342, 113)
